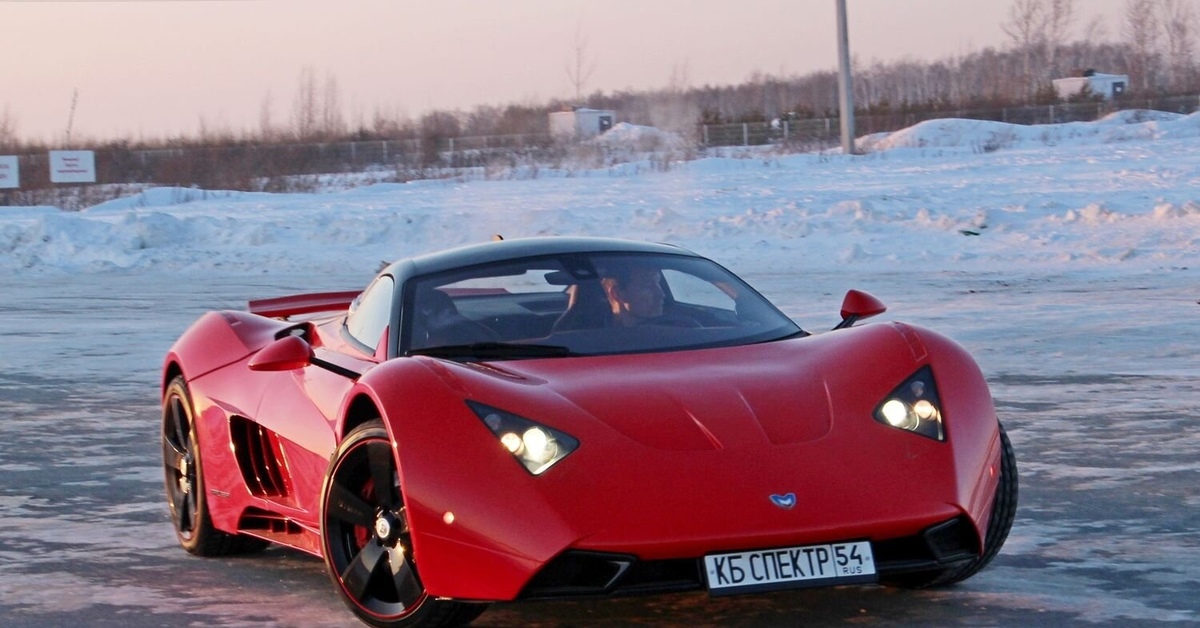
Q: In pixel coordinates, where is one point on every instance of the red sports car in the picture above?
(566, 417)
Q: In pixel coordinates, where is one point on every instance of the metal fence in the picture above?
(238, 167)
(827, 131)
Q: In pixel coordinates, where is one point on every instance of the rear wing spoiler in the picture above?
(283, 307)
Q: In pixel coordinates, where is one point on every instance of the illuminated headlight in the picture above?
(914, 406)
(536, 446)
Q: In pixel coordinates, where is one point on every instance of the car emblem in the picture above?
(786, 502)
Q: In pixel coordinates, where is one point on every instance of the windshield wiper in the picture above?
(496, 350)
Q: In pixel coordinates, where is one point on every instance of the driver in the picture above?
(635, 295)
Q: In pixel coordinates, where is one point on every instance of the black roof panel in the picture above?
(502, 250)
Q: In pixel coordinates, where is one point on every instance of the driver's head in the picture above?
(634, 292)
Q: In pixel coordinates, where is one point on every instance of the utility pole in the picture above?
(845, 86)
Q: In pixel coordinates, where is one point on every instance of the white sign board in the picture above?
(72, 166)
(10, 172)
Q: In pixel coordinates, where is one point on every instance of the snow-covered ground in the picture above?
(1115, 195)
(1066, 258)
(944, 202)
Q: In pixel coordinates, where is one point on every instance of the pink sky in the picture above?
(166, 67)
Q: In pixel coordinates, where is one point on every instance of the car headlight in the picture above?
(535, 446)
(914, 406)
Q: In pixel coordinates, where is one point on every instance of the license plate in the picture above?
(790, 568)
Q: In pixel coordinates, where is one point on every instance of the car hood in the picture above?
(686, 400)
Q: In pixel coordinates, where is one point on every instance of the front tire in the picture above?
(367, 541)
(186, 496)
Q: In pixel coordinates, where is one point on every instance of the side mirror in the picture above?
(286, 354)
(859, 305)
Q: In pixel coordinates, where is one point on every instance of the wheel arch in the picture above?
(972, 424)
(171, 370)
(361, 409)
(388, 392)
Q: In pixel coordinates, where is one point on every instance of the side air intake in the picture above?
(260, 459)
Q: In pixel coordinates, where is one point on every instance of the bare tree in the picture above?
(305, 108)
(214, 133)
(266, 126)
(435, 128)
(1096, 30)
(681, 77)
(8, 130)
(317, 111)
(391, 122)
(1140, 31)
(1178, 22)
(333, 122)
(1038, 30)
(1025, 27)
(1059, 16)
(581, 66)
(674, 109)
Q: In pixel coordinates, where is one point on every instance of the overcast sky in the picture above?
(153, 68)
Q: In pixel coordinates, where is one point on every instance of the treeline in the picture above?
(1154, 43)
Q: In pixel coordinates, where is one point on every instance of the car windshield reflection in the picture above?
(585, 304)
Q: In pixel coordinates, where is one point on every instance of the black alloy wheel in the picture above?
(186, 496)
(367, 540)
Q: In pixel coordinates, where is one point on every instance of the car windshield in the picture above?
(585, 304)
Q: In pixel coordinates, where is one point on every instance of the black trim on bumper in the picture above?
(584, 574)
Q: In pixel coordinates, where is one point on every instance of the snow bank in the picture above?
(1118, 194)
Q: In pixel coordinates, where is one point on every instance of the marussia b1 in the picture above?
(567, 417)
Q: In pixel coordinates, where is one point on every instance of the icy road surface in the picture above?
(1102, 409)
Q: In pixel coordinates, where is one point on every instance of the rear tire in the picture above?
(1004, 511)
(186, 495)
(367, 542)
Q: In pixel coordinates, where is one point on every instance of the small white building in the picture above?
(1109, 86)
(580, 123)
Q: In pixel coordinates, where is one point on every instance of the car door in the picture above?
(301, 405)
